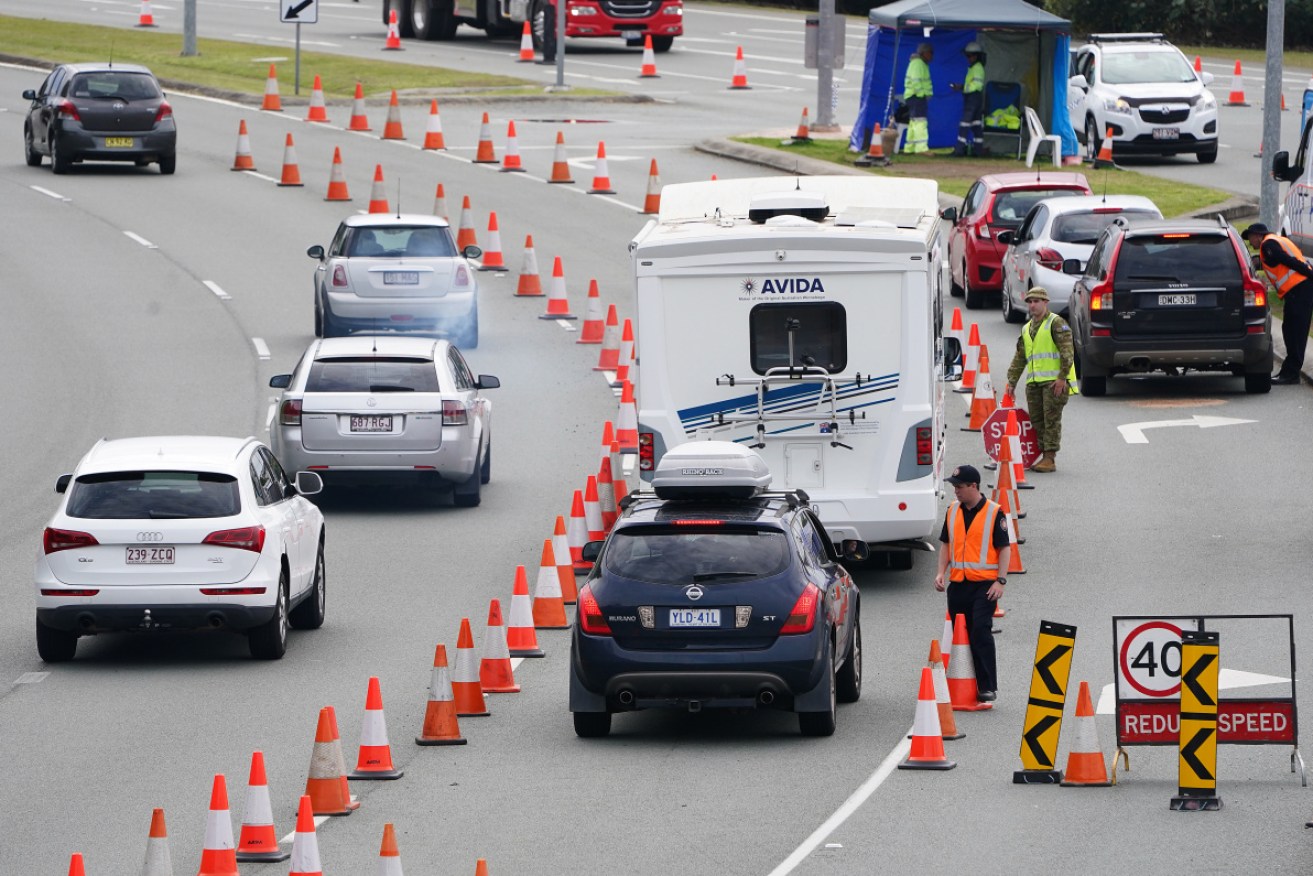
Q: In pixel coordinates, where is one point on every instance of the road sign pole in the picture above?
(189, 29)
(1200, 665)
(296, 81)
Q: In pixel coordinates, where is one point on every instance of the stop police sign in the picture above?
(996, 424)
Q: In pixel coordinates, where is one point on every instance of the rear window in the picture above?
(1193, 260)
(153, 495)
(819, 333)
(371, 374)
(1012, 207)
(115, 84)
(1086, 227)
(683, 557)
(413, 241)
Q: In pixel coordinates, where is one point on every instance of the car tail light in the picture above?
(646, 451)
(289, 414)
(454, 413)
(705, 522)
(54, 540)
(803, 616)
(248, 538)
(925, 445)
(69, 592)
(339, 276)
(1255, 293)
(1100, 332)
(68, 111)
(1107, 210)
(1101, 297)
(165, 111)
(462, 276)
(591, 620)
(1049, 258)
(233, 591)
(982, 230)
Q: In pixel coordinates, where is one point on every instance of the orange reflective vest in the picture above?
(971, 553)
(1283, 278)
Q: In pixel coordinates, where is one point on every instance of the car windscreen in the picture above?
(401, 241)
(1086, 227)
(153, 495)
(1134, 68)
(1010, 208)
(115, 84)
(1187, 259)
(372, 374)
(696, 555)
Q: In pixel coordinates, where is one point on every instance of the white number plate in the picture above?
(149, 556)
(694, 617)
(1168, 300)
(372, 423)
(632, 34)
(401, 278)
(1167, 133)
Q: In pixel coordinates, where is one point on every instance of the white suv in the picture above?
(1145, 90)
(180, 533)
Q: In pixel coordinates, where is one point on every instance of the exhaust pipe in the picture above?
(1139, 363)
(215, 619)
(626, 697)
(86, 621)
(766, 697)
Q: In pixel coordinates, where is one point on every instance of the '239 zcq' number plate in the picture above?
(149, 556)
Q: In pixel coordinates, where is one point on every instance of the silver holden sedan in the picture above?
(1055, 230)
(370, 408)
(399, 272)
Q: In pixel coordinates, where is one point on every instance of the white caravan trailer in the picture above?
(802, 317)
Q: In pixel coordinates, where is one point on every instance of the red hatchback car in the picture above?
(996, 203)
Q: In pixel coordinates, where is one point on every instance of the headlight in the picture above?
(1117, 105)
(1208, 102)
(583, 10)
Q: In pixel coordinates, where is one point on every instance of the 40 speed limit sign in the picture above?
(1149, 657)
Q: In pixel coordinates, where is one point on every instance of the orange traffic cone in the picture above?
(258, 839)
(564, 561)
(485, 154)
(970, 359)
(983, 401)
(927, 751)
(652, 203)
(317, 112)
(576, 531)
(144, 17)
(327, 785)
(378, 197)
(1015, 566)
(77, 868)
(465, 685)
(593, 327)
(1085, 764)
(1005, 488)
(393, 42)
(359, 121)
(609, 356)
(496, 675)
(441, 726)
(955, 327)
(1237, 95)
(1104, 158)
(158, 860)
(606, 494)
(1012, 432)
(521, 637)
(510, 161)
(560, 166)
(440, 203)
(626, 357)
(601, 177)
(803, 134)
(465, 233)
(389, 857)
(648, 70)
(530, 285)
(558, 306)
(481, 867)
(392, 126)
(337, 190)
(375, 758)
(492, 258)
(962, 690)
(433, 138)
(272, 101)
(740, 77)
(218, 856)
(1198, 64)
(548, 601)
(305, 843)
(243, 160)
(943, 703)
(526, 44)
(291, 170)
(351, 804)
(946, 639)
(626, 424)
(875, 152)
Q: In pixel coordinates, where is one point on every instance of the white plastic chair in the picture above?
(1038, 137)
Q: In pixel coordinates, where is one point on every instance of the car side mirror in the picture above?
(1007, 237)
(1281, 169)
(591, 551)
(1073, 267)
(280, 381)
(487, 381)
(62, 482)
(1079, 81)
(952, 353)
(309, 483)
(29, 94)
(854, 549)
(316, 252)
(1207, 78)
(472, 252)
(949, 213)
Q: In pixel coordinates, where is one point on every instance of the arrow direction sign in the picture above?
(1044, 706)
(1134, 432)
(1032, 739)
(300, 11)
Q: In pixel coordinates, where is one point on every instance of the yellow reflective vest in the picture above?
(917, 81)
(1043, 358)
(975, 79)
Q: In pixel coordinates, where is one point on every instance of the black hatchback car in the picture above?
(710, 595)
(1170, 296)
(99, 112)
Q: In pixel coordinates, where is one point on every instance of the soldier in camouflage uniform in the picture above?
(1045, 350)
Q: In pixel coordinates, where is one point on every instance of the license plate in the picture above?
(694, 617)
(119, 142)
(1167, 133)
(401, 278)
(632, 34)
(372, 423)
(1169, 300)
(149, 556)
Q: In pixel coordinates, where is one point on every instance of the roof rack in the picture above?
(1126, 37)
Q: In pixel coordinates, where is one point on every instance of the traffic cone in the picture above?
(392, 126)
(158, 861)
(970, 359)
(530, 285)
(621, 489)
(943, 703)
(576, 532)
(144, 18)
(375, 758)
(652, 203)
(606, 494)
(521, 638)
(76, 867)
(648, 70)
(510, 160)
(1015, 566)
(1198, 64)
(326, 785)
(359, 121)
(1085, 764)
(1012, 432)
(378, 196)
(526, 44)
(1283, 104)
(389, 857)
(481, 867)
(1104, 158)
(593, 510)
(317, 112)
(305, 844)
(258, 839)
(218, 857)
(626, 357)
(496, 675)
(548, 601)
(465, 233)
(946, 639)
(927, 751)
(492, 259)
(340, 761)
(485, 154)
(440, 204)
(465, 685)
(441, 726)
(393, 42)
(803, 134)
(558, 306)
(626, 424)
(291, 170)
(1237, 95)
(1005, 491)
(983, 401)
(564, 562)
(243, 160)
(608, 358)
(272, 101)
(875, 153)
(601, 177)
(593, 327)
(560, 166)
(337, 190)
(433, 138)
(955, 327)
(740, 77)
(962, 690)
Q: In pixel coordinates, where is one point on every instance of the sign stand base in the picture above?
(1037, 777)
(1196, 804)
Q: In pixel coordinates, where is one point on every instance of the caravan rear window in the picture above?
(819, 330)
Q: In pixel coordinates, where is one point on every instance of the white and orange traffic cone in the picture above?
(962, 690)
(526, 45)
(375, 758)
(593, 327)
(492, 258)
(875, 152)
(626, 357)
(440, 204)
(648, 70)
(608, 439)
(465, 235)
(601, 176)
(1085, 764)
(393, 41)
(521, 637)
(626, 424)
(351, 804)
(378, 196)
(510, 160)
(946, 640)
(576, 532)
(318, 111)
(606, 494)
(158, 860)
(465, 685)
(389, 856)
(564, 561)
(970, 360)
(485, 153)
(305, 843)
(433, 138)
(218, 855)
(1012, 434)
(593, 510)
(392, 126)
(530, 284)
(496, 675)
(739, 80)
(983, 401)
(326, 786)
(359, 120)
(943, 702)
(144, 16)
(1104, 158)
(258, 838)
(1237, 95)
(291, 169)
(560, 164)
(608, 359)
(558, 305)
(927, 752)
(548, 601)
(803, 134)
(337, 188)
(955, 328)
(441, 725)
(243, 159)
(272, 101)
(1015, 566)
(652, 202)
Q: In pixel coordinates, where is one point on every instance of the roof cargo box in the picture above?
(710, 470)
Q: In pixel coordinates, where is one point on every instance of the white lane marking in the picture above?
(261, 348)
(215, 288)
(31, 677)
(289, 40)
(257, 175)
(143, 241)
(858, 797)
(49, 194)
(319, 822)
(567, 325)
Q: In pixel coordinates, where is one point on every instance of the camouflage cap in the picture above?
(1037, 292)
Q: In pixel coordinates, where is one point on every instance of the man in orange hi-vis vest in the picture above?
(1289, 272)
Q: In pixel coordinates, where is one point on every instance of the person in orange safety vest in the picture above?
(1289, 272)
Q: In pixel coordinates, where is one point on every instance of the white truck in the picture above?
(803, 317)
(1296, 212)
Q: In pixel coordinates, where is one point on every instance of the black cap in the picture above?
(964, 474)
(1256, 228)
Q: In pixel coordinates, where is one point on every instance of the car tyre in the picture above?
(849, 681)
(662, 43)
(30, 154)
(55, 646)
(954, 287)
(822, 723)
(330, 326)
(1093, 385)
(1010, 312)
(319, 321)
(973, 298)
(309, 614)
(168, 163)
(592, 725)
(466, 495)
(485, 470)
(1208, 156)
(269, 640)
(1092, 140)
(59, 162)
(1257, 384)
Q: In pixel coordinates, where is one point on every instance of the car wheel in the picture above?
(954, 287)
(849, 681)
(1257, 384)
(1093, 385)
(309, 615)
(1207, 157)
(592, 725)
(59, 162)
(466, 495)
(29, 149)
(662, 43)
(55, 646)
(1092, 139)
(330, 326)
(973, 298)
(822, 723)
(485, 470)
(168, 163)
(404, 25)
(1010, 311)
(269, 640)
(319, 321)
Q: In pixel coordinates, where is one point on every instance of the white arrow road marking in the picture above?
(261, 348)
(49, 194)
(1227, 679)
(1134, 432)
(143, 241)
(215, 288)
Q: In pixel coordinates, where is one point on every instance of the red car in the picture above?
(994, 204)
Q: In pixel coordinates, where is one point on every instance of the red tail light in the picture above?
(925, 446)
(165, 111)
(289, 414)
(646, 451)
(339, 276)
(462, 276)
(1049, 258)
(248, 538)
(1255, 293)
(1100, 332)
(53, 592)
(54, 540)
(68, 111)
(454, 413)
(590, 616)
(233, 591)
(707, 522)
(803, 616)
(1101, 297)
(982, 230)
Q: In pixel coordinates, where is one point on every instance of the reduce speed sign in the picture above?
(1149, 659)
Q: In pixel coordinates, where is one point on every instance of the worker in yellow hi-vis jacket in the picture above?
(917, 91)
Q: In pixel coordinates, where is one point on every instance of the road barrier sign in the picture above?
(992, 431)
(1048, 698)
(1197, 758)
